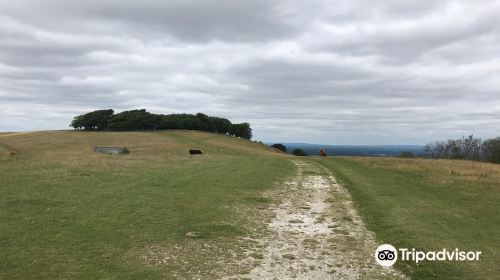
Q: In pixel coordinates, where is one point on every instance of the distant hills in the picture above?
(355, 150)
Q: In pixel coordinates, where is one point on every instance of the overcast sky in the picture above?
(334, 72)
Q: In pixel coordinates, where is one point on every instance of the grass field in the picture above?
(429, 205)
(67, 213)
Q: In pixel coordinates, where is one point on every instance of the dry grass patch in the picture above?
(442, 170)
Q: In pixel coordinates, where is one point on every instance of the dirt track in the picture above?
(316, 234)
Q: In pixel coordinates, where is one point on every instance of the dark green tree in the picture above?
(491, 149)
(96, 120)
(241, 130)
(299, 152)
(279, 146)
(134, 120)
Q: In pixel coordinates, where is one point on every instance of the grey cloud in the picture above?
(188, 20)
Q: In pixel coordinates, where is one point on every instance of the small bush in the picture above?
(279, 146)
(299, 152)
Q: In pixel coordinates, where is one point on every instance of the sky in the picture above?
(330, 72)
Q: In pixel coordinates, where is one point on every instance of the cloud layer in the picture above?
(338, 72)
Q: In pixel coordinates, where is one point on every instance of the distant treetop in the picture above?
(107, 120)
(299, 152)
(279, 146)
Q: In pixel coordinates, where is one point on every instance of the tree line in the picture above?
(468, 148)
(107, 120)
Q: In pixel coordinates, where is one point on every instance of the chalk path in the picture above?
(316, 234)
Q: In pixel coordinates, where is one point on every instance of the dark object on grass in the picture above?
(299, 152)
(110, 150)
(195, 152)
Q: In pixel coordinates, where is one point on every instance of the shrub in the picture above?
(299, 152)
(279, 146)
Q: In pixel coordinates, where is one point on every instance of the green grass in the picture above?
(429, 205)
(67, 213)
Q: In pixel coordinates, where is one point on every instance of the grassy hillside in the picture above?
(429, 205)
(156, 213)
(66, 212)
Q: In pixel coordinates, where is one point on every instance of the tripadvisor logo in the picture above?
(387, 255)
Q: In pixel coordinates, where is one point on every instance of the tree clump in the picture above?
(133, 120)
(467, 148)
